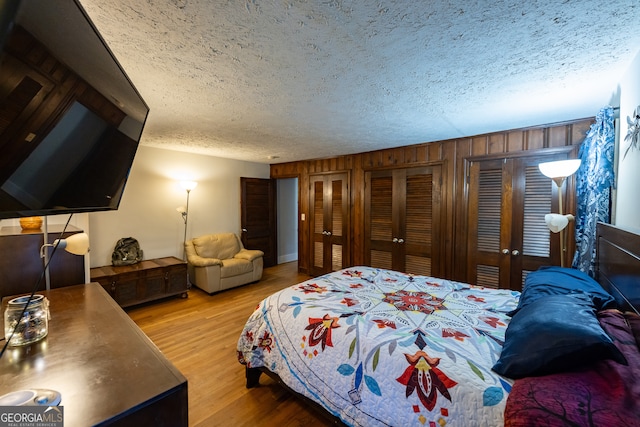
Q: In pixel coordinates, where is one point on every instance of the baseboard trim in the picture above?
(287, 258)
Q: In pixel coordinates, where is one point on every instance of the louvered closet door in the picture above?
(507, 235)
(402, 213)
(489, 224)
(379, 217)
(538, 245)
(422, 193)
(329, 222)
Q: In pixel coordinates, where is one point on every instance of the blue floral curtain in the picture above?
(594, 180)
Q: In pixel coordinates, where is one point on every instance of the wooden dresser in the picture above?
(21, 265)
(106, 369)
(145, 281)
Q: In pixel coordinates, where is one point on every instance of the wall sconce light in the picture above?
(558, 171)
(184, 211)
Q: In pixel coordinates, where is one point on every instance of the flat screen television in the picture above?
(80, 161)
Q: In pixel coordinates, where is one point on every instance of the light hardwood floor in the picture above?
(199, 335)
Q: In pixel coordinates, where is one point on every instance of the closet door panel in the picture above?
(489, 223)
(379, 219)
(338, 219)
(329, 222)
(535, 239)
(507, 235)
(418, 220)
(402, 217)
(317, 224)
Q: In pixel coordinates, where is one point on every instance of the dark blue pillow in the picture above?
(554, 333)
(562, 281)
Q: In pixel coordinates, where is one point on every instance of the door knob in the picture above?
(400, 240)
(505, 251)
(395, 240)
(515, 252)
(244, 230)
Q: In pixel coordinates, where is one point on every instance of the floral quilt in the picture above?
(382, 348)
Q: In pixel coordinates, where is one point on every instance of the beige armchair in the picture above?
(219, 261)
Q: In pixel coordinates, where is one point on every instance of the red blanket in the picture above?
(605, 394)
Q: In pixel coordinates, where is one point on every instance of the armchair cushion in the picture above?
(221, 246)
(249, 254)
(198, 261)
(234, 267)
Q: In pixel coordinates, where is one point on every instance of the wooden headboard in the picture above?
(618, 264)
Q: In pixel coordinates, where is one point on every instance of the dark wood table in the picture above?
(107, 370)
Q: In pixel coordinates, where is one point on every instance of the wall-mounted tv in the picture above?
(70, 118)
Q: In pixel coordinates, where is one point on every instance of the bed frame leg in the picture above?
(253, 377)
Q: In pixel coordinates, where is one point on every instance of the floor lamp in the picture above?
(184, 211)
(558, 171)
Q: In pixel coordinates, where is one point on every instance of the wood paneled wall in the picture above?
(452, 155)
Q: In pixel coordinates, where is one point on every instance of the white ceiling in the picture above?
(250, 79)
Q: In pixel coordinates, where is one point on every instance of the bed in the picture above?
(375, 347)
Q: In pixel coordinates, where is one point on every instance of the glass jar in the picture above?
(34, 324)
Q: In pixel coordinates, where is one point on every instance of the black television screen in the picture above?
(82, 164)
(68, 131)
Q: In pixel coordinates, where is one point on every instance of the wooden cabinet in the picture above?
(329, 222)
(21, 266)
(402, 219)
(507, 235)
(145, 281)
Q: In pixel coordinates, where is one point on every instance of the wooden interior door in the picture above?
(258, 217)
(402, 217)
(329, 222)
(507, 236)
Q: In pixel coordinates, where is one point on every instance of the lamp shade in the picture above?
(557, 222)
(77, 244)
(188, 185)
(560, 168)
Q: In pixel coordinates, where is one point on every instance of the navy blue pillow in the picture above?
(562, 281)
(554, 333)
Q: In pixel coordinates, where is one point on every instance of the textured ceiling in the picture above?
(309, 79)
